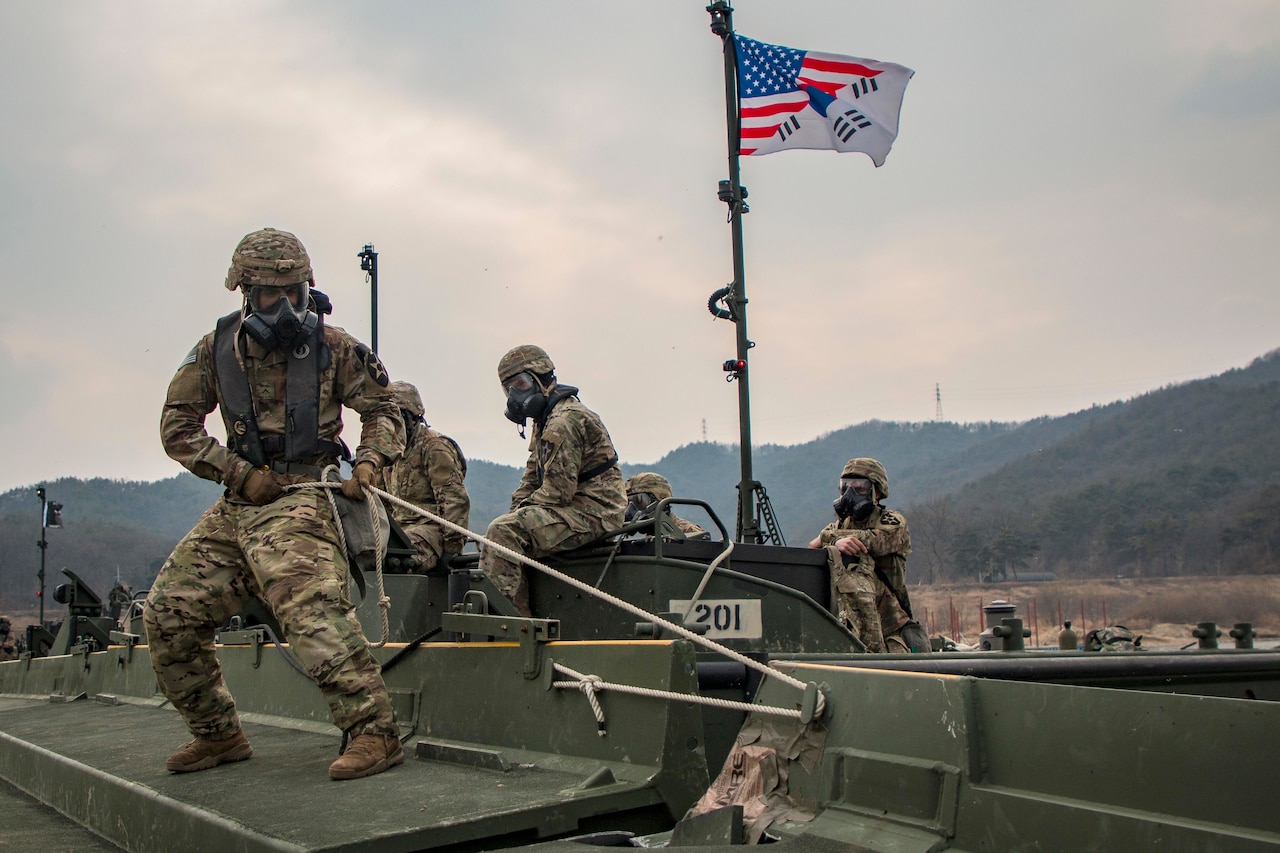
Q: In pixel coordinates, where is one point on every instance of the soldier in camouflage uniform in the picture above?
(571, 492)
(429, 475)
(8, 645)
(118, 600)
(644, 490)
(868, 548)
(279, 377)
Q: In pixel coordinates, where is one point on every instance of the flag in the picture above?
(790, 98)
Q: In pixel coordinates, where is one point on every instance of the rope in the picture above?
(706, 578)
(621, 604)
(327, 486)
(590, 684)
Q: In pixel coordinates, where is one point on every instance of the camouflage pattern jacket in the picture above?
(430, 475)
(570, 443)
(689, 528)
(353, 377)
(887, 539)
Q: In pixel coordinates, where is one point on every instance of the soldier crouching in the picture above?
(279, 377)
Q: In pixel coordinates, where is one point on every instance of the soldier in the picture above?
(868, 548)
(430, 475)
(8, 645)
(644, 490)
(118, 600)
(279, 376)
(571, 491)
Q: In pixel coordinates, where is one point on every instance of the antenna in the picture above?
(704, 430)
(937, 390)
(369, 263)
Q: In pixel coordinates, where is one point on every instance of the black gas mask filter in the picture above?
(639, 505)
(857, 499)
(525, 399)
(280, 317)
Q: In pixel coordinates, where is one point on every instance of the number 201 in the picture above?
(722, 617)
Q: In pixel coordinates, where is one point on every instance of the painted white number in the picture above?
(725, 618)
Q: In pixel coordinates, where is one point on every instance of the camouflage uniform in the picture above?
(430, 475)
(118, 600)
(864, 602)
(658, 486)
(8, 644)
(552, 510)
(286, 552)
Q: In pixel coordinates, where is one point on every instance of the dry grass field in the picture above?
(1162, 610)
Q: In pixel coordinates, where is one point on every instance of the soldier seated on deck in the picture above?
(429, 474)
(571, 491)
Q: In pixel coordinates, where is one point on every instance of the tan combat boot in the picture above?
(366, 755)
(202, 753)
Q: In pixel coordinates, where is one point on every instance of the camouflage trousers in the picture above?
(865, 605)
(286, 553)
(534, 531)
(428, 541)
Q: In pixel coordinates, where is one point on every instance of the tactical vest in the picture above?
(300, 442)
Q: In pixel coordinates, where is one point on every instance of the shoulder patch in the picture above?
(887, 517)
(190, 359)
(373, 365)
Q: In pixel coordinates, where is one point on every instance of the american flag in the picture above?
(792, 98)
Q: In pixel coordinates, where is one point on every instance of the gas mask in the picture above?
(411, 424)
(525, 399)
(280, 317)
(639, 505)
(857, 499)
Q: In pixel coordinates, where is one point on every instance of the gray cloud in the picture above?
(1059, 223)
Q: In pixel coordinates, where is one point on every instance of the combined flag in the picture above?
(791, 98)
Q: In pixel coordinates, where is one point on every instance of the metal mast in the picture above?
(369, 263)
(730, 302)
(50, 516)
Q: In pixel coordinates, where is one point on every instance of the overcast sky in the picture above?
(1081, 206)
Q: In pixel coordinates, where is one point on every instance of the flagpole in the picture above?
(735, 295)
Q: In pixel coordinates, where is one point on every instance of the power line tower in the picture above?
(937, 391)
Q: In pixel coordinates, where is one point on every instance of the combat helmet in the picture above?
(270, 258)
(865, 466)
(651, 482)
(408, 398)
(524, 357)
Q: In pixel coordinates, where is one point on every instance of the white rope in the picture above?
(590, 684)
(706, 578)
(384, 602)
(622, 604)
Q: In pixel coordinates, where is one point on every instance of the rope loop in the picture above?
(370, 494)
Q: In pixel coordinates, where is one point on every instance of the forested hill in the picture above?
(1185, 479)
